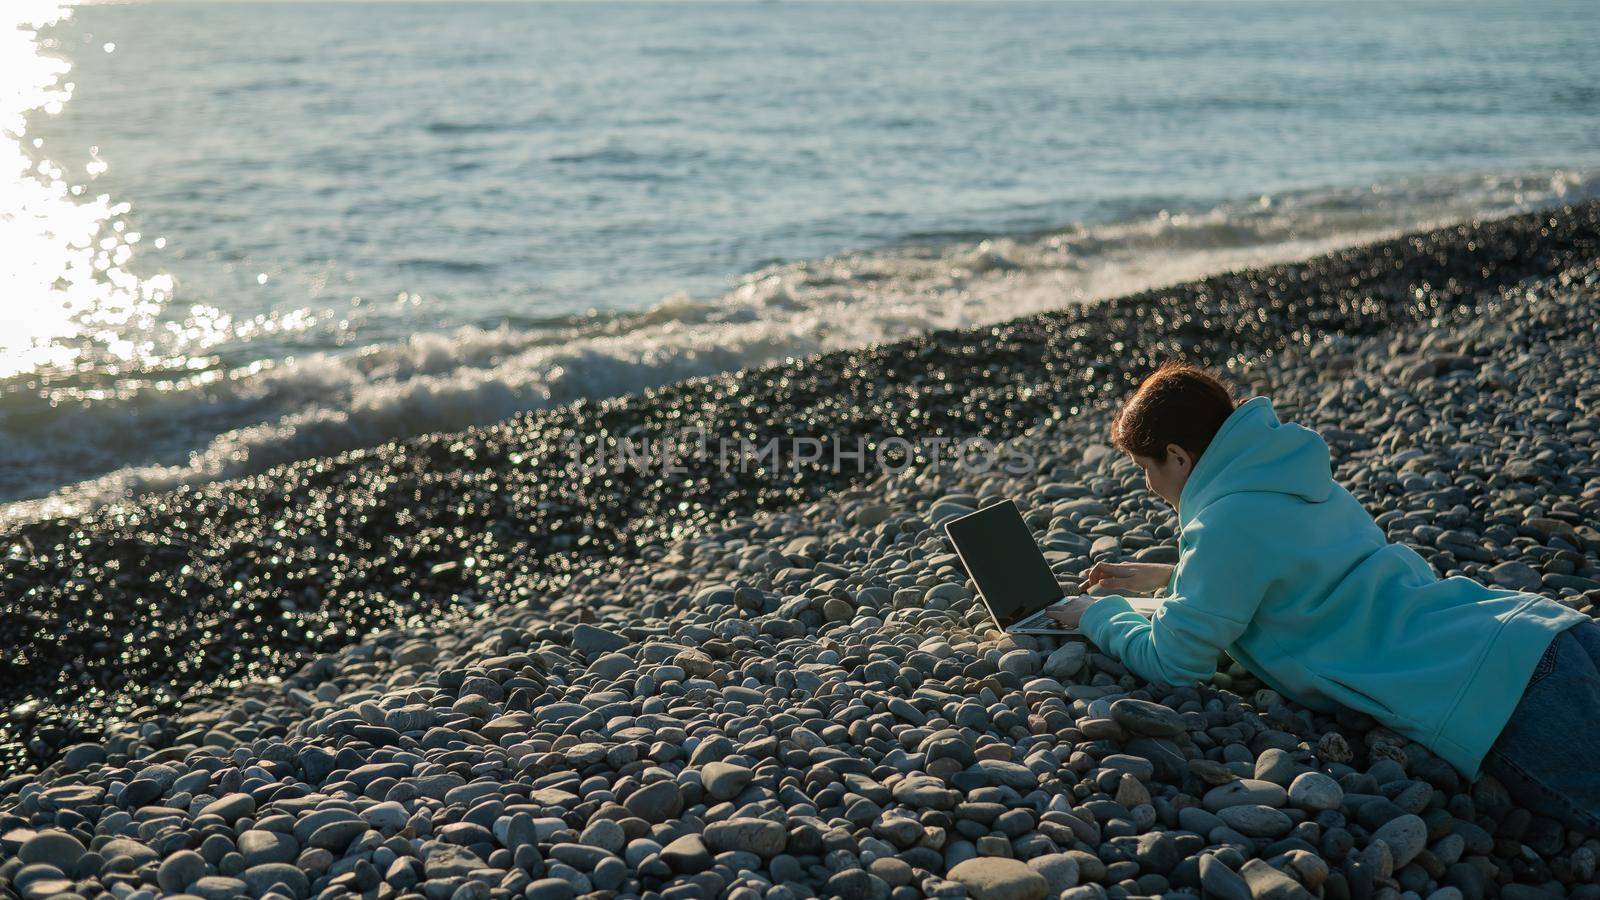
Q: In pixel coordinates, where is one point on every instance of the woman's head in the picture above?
(1169, 422)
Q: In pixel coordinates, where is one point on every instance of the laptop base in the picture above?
(1041, 624)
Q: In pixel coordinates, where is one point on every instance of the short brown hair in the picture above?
(1176, 404)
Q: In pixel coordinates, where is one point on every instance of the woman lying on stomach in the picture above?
(1284, 570)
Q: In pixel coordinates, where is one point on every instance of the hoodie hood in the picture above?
(1253, 451)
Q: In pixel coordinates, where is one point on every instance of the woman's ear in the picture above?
(1181, 457)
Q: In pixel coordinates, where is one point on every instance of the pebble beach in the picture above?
(454, 668)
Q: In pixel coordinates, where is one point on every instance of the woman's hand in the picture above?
(1070, 612)
(1138, 579)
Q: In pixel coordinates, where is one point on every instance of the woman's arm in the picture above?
(1220, 582)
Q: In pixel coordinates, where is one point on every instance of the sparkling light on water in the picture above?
(64, 249)
(348, 229)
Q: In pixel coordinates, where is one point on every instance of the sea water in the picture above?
(237, 234)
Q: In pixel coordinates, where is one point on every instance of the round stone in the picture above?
(655, 802)
(611, 665)
(998, 878)
(1016, 776)
(218, 887)
(140, 792)
(1220, 881)
(1406, 836)
(258, 879)
(1267, 883)
(180, 870)
(258, 847)
(1256, 820)
(687, 855)
(590, 639)
(1137, 766)
(1244, 792)
(724, 781)
(762, 837)
(606, 834)
(1146, 718)
(1021, 663)
(1277, 766)
(1066, 661)
(1060, 870)
(450, 861)
(1314, 792)
(336, 836)
(894, 872)
(230, 807)
(579, 856)
(132, 849)
(849, 884)
(82, 756)
(387, 816)
(1516, 576)
(57, 848)
(549, 889)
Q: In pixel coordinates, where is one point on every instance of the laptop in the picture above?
(1014, 579)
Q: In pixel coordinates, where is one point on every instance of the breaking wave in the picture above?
(63, 456)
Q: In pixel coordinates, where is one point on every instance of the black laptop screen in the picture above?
(1004, 561)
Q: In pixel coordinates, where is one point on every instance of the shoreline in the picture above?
(807, 701)
(325, 551)
(231, 419)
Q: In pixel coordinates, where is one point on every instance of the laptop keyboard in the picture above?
(1038, 620)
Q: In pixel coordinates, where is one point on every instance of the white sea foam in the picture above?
(248, 421)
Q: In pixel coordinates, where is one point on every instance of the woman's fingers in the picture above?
(1111, 586)
(1106, 576)
(1101, 571)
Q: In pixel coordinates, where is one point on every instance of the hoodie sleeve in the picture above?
(1219, 583)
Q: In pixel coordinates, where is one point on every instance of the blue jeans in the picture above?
(1545, 756)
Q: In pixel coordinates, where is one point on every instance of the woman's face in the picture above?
(1168, 477)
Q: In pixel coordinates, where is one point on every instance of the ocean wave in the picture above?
(242, 422)
(452, 266)
(602, 156)
(487, 126)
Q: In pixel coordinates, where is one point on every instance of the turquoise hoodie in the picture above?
(1284, 570)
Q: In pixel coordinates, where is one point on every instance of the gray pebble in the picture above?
(180, 870)
(57, 848)
(1314, 791)
(1256, 820)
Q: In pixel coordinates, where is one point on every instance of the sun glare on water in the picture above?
(64, 247)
